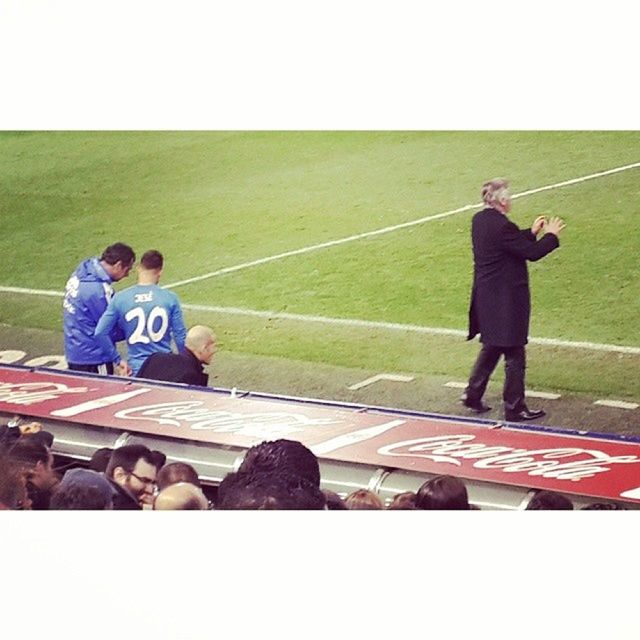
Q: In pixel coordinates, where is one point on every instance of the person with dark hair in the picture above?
(363, 500)
(177, 472)
(334, 501)
(186, 367)
(132, 471)
(13, 485)
(100, 459)
(181, 496)
(443, 493)
(282, 455)
(268, 491)
(500, 298)
(37, 462)
(87, 295)
(83, 489)
(149, 316)
(159, 459)
(549, 501)
(403, 501)
(9, 433)
(603, 506)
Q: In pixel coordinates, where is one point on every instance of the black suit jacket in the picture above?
(500, 300)
(174, 367)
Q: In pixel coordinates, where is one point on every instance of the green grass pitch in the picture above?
(210, 200)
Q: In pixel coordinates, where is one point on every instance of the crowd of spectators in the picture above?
(273, 475)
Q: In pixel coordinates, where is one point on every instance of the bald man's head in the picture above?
(182, 496)
(201, 341)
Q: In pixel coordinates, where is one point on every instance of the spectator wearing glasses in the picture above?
(132, 471)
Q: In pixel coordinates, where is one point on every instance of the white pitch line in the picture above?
(617, 404)
(381, 376)
(377, 232)
(365, 324)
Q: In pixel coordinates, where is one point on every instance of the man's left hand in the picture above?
(538, 225)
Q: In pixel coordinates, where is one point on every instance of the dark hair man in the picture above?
(100, 459)
(549, 501)
(268, 491)
(148, 315)
(186, 367)
(443, 493)
(86, 297)
(500, 299)
(282, 455)
(132, 471)
(37, 462)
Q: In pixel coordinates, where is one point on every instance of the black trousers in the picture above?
(514, 368)
(105, 368)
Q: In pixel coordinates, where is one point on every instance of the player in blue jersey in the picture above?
(149, 315)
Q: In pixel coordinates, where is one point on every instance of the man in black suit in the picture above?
(500, 299)
(185, 367)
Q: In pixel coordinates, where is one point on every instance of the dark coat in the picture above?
(174, 367)
(500, 300)
(122, 499)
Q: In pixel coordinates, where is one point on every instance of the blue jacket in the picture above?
(148, 316)
(87, 295)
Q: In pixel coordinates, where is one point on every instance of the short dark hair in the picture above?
(604, 506)
(127, 458)
(282, 455)
(118, 252)
(549, 500)
(176, 472)
(443, 493)
(268, 491)
(152, 260)
(158, 459)
(29, 450)
(100, 459)
(334, 501)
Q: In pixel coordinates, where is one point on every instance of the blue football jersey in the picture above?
(149, 316)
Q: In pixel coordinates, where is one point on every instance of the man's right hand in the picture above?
(123, 369)
(555, 226)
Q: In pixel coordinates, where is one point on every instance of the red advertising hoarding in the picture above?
(438, 445)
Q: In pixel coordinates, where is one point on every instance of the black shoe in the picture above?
(477, 407)
(523, 414)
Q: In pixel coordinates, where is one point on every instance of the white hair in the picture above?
(495, 191)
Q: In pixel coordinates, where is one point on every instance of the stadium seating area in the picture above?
(281, 474)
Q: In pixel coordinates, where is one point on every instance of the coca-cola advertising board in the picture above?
(438, 445)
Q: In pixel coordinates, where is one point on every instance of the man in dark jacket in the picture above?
(185, 367)
(500, 299)
(132, 473)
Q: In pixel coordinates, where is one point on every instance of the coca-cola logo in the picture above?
(562, 463)
(28, 393)
(197, 416)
